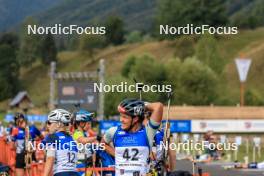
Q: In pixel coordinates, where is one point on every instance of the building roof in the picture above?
(18, 98)
(214, 112)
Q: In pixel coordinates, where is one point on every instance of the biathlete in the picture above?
(86, 157)
(61, 148)
(158, 141)
(18, 137)
(132, 140)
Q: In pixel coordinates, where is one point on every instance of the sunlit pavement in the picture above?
(216, 169)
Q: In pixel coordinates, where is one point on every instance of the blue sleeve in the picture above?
(159, 137)
(44, 141)
(35, 130)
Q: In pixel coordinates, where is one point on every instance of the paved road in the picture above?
(215, 169)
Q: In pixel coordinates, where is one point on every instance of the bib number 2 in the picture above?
(131, 154)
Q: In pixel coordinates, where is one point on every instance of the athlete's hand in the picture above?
(156, 110)
(98, 138)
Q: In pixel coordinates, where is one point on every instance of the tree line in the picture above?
(197, 60)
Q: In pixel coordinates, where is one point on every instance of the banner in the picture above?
(73, 92)
(227, 126)
(180, 126)
(106, 124)
(177, 126)
(243, 67)
(30, 118)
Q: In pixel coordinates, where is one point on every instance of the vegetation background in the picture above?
(200, 68)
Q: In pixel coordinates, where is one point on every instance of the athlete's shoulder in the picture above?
(34, 131)
(114, 129)
(110, 133)
(51, 138)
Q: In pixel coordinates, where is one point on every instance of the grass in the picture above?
(250, 44)
(36, 79)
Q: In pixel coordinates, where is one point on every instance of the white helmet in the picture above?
(59, 115)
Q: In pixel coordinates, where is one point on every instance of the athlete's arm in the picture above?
(49, 161)
(48, 166)
(13, 138)
(85, 140)
(172, 159)
(107, 139)
(156, 110)
(50, 154)
(109, 149)
(80, 138)
(37, 132)
(153, 124)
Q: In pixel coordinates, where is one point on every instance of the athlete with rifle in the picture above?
(132, 140)
(22, 136)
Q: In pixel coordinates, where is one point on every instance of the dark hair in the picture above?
(17, 117)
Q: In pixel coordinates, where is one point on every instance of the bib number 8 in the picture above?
(131, 154)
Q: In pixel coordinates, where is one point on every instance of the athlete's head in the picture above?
(83, 119)
(131, 113)
(20, 120)
(58, 118)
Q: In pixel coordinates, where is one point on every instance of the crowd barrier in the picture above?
(8, 155)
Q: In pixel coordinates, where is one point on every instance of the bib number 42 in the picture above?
(131, 154)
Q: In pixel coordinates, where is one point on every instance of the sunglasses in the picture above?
(49, 122)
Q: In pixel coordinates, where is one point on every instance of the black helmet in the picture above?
(132, 107)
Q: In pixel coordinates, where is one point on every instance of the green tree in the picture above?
(9, 72)
(134, 37)
(151, 72)
(114, 30)
(73, 43)
(10, 39)
(29, 45)
(173, 72)
(253, 98)
(90, 43)
(48, 50)
(184, 47)
(114, 98)
(198, 83)
(207, 52)
(148, 70)
(130, 61)
(250, 16)
(196, 12)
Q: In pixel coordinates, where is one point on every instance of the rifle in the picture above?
(28, 149)
(139, 87)
(166, 138)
